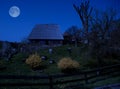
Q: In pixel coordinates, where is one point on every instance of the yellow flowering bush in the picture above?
(67, 64)
(34, 60)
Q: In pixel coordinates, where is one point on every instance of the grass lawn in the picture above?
(17, 66)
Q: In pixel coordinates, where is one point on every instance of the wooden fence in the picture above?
(86, 76)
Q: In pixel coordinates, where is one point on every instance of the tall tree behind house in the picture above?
(72, 35)
(84, 11)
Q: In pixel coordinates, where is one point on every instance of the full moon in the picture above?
(14, 11)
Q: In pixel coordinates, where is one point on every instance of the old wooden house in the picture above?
(46, 34)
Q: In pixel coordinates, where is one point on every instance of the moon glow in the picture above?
(14, 11)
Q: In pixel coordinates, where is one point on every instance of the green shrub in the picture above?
(3, 64)
(34, 61)
(95, 63)
(68, 65)
(92, 63)
(108, 62)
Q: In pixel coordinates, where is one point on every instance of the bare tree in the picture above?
(74, 34)
(84, 11)
(103, 23)
(115, 34)
(73, 31)
(100, 33)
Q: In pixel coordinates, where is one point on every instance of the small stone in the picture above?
(51, 61)
(44, 57)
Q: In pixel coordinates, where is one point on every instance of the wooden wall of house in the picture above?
(47, 42)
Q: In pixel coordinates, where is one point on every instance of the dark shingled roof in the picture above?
(46, 32)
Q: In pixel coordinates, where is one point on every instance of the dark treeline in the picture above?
(100, 30)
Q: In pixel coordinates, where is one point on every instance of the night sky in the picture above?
(43, 12)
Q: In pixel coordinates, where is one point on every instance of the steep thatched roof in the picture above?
(46, 32)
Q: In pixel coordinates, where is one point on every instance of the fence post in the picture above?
(51, 82)
(86, 79)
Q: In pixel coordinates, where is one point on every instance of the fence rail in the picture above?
(86, 76)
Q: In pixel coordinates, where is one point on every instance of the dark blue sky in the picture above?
(43, 12)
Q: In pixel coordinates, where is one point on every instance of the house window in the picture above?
(42, 43)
